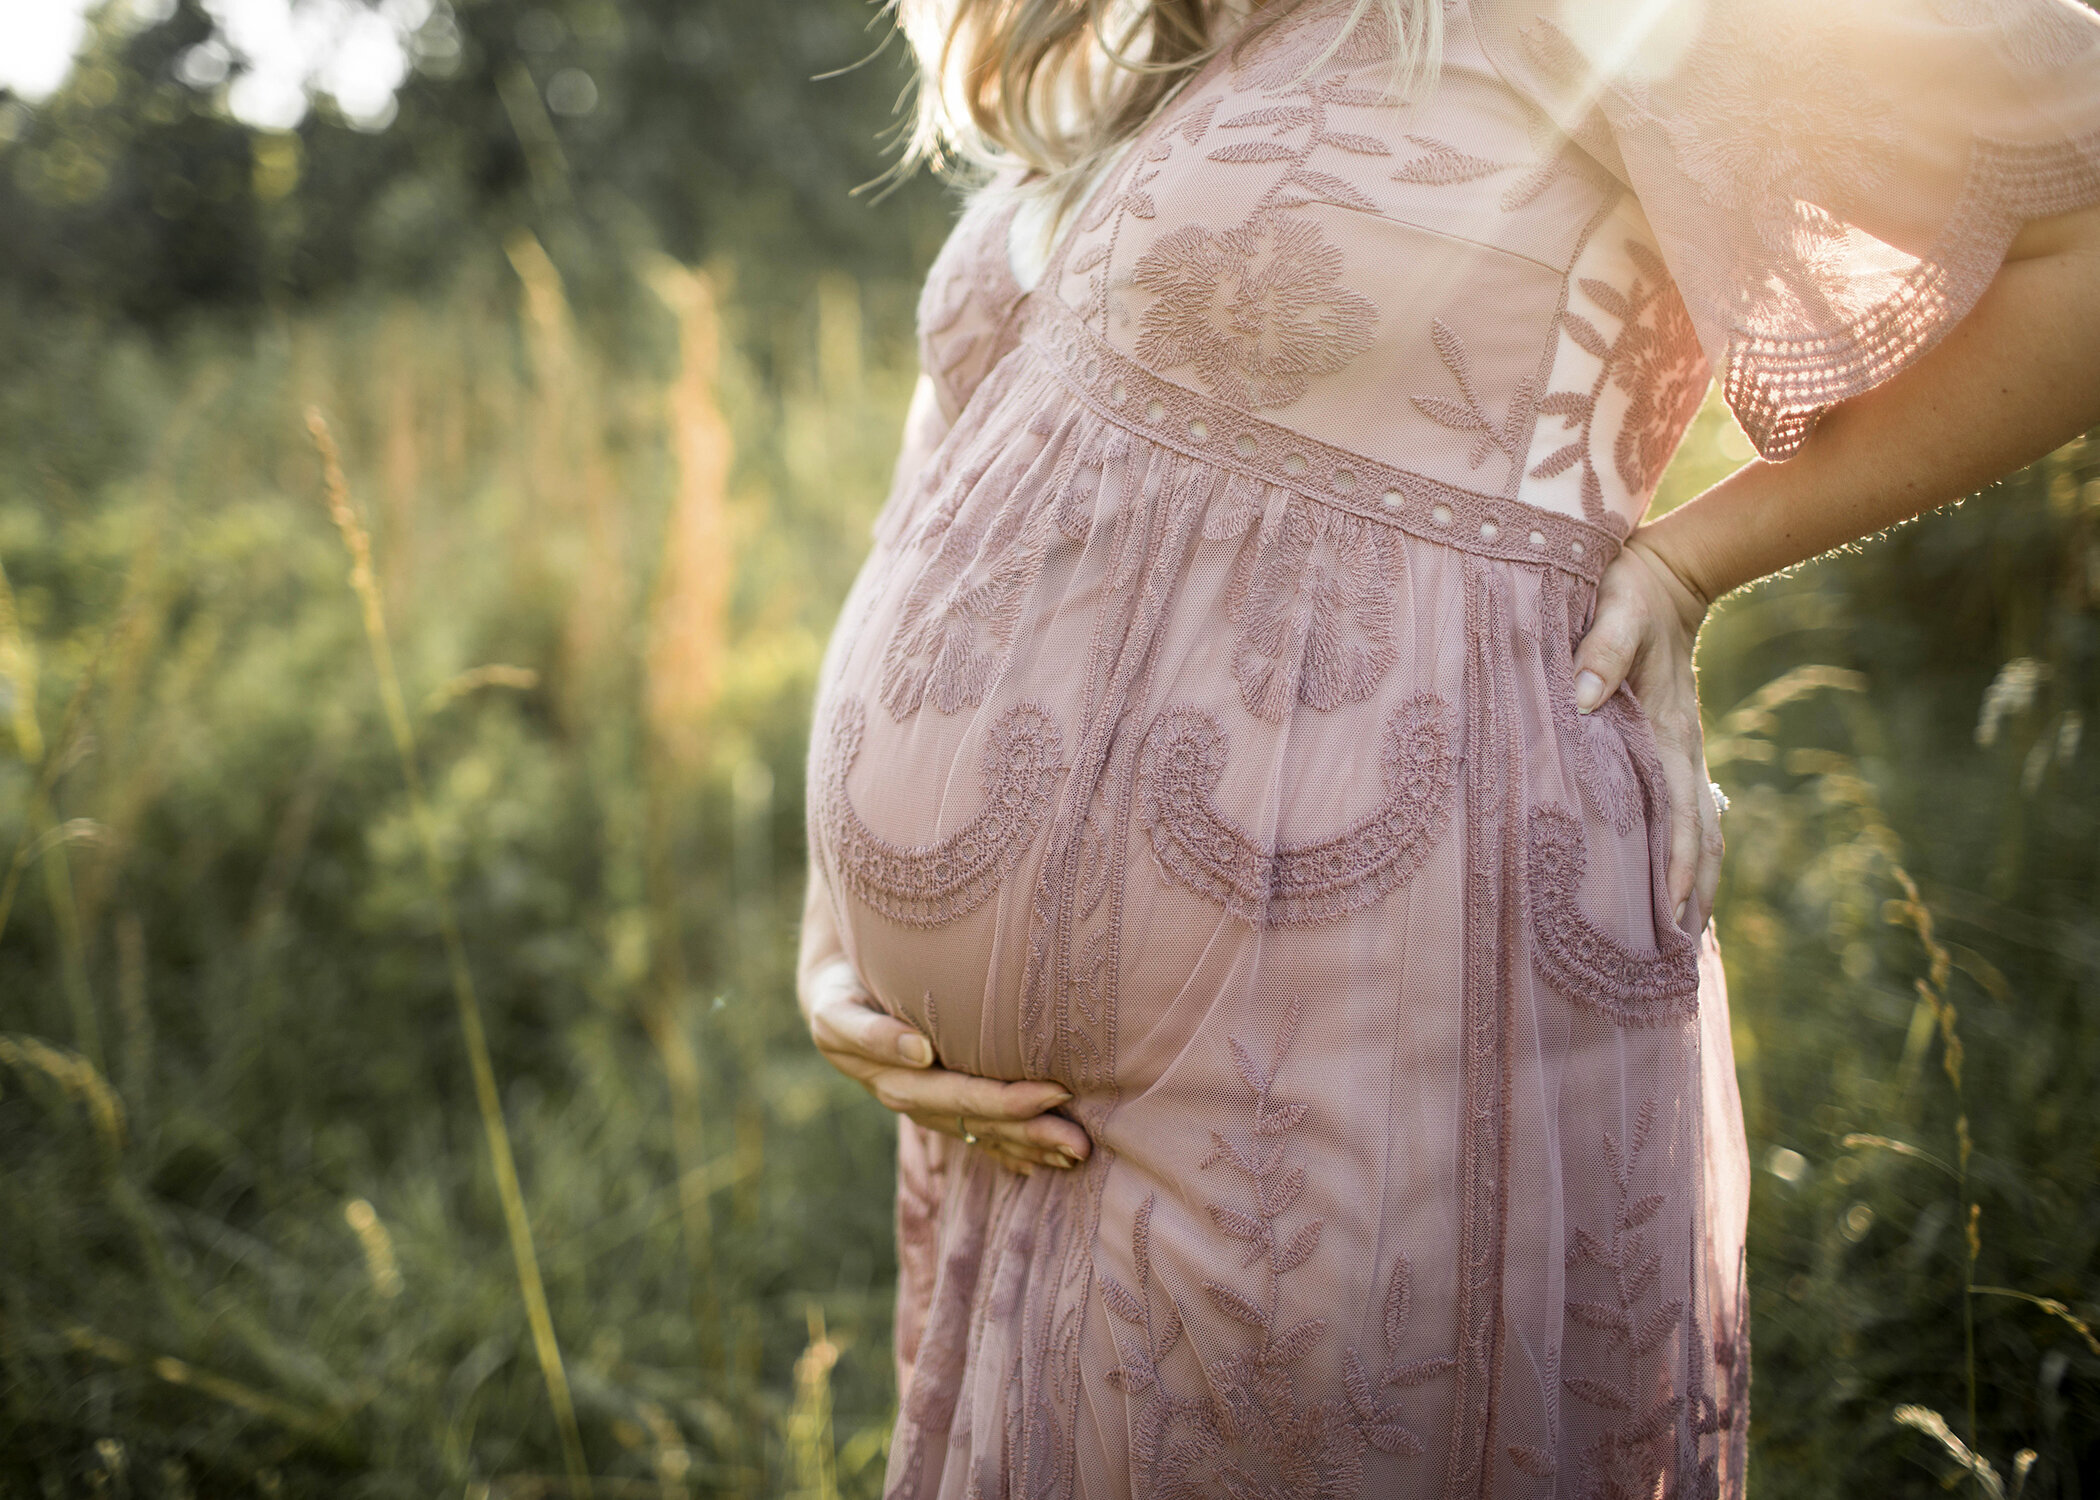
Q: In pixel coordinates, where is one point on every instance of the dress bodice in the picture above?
(1467, 287)
(1450, 289)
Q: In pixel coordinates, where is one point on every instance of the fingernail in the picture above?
(915, 1049)
(1067, 1160)
(1589, 690)
(1680, 910)
(1063, 1097)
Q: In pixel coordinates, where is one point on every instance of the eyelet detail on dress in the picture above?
(1124, 393)
(1199, 431)
(1295, 885)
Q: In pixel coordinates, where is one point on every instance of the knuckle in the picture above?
(1609, 647)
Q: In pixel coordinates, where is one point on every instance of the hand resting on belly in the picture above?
(1015, 1122)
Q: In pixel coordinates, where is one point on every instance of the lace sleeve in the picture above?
(1832, 183)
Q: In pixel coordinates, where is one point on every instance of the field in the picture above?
(401, 1092)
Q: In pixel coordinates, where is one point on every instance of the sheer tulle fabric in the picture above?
(1200, 735)
(1833, 185)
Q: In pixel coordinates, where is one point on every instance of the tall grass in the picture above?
(247, 1244)
(266, 1228)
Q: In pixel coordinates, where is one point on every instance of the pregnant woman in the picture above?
(1260, 839)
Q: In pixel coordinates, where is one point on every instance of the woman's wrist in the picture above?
(1679, 585)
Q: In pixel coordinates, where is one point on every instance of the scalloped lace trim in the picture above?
(1295, 885)
(1778, 387)
(927, 885)
(1581, 960)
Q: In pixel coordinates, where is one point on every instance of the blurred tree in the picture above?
(606, 125)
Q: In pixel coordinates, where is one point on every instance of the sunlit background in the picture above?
(434, 439)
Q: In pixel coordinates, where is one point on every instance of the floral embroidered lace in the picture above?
(1201, 733)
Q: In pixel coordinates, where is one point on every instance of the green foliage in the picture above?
(1913, 711)
(738, 129)
(265, 989)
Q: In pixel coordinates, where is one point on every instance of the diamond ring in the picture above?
(1720, 797)
(963, 1126)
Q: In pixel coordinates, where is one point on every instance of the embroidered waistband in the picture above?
(1126, 393)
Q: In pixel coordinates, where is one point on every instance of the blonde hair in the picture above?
(1058, 86)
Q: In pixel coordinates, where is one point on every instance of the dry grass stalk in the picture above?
(570, 478)
(810, 1446)
(523, 679)
(319, 1425)
(51, 756)
(378, 1246)
(2049, 1305)
(76, 1076)
(1912, 912)
(1979, 1468)
(531, 1288)
(692, 589)
(682, 672)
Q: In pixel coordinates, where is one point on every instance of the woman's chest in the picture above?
(1448, 286)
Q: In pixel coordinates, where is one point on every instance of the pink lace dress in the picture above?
(1200, 734)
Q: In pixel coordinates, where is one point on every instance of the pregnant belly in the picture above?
(931, 834)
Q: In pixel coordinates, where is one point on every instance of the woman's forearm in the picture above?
(820, 945)
(2017, 377)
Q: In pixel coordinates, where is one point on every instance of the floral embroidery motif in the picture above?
(956, 627)
(928, 885)
(1294, 885)
(1312, 594)
(1661, 366)
(1140, 1372)
(1506, 435)
(1607, 779)
(1773, 114)
(1444, 165)
(1298, 42)
(1251, 1436)
(1656, 360)
(2036, 36)
(1585, 963)
(1728, 1415)
(1129, 197)
(1629, 1456)
(1259, 310)
(1380, 1423)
